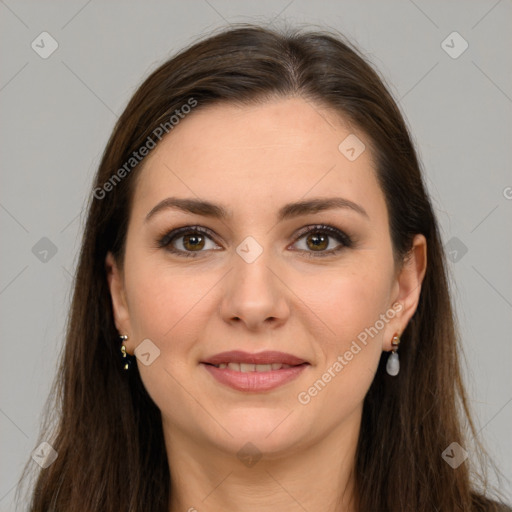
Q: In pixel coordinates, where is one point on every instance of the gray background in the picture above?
(57, 114)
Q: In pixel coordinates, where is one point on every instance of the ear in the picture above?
(115, 280)
(407, 288)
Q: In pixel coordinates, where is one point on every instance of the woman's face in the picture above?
(255, 281)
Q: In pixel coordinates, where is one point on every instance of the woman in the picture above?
(261, 317)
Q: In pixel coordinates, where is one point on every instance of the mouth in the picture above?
(261, 371)
(253, 360)
(248, 367)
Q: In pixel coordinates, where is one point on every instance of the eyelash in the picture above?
(164, 242)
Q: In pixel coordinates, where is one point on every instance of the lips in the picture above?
(263, 371)
(239, 357)
(249, 367)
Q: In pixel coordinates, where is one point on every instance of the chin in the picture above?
(271, 431)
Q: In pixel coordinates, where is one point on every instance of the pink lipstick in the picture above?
(262, 371)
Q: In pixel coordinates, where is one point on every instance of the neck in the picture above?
(319, 476)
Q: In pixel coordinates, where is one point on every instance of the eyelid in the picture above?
(164, 242)
(343, 238)
(326, 228)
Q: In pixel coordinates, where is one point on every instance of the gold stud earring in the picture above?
(127, 362)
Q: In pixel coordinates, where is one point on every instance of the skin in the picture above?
(253, 160)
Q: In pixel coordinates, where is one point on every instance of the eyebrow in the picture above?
(288, 211)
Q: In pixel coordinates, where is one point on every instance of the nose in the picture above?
(255, 294)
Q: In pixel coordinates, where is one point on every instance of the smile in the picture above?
(254, 378)
(247, 367)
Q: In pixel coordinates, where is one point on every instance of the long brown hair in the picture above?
(107, 431)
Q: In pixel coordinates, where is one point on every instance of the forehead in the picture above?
(281, 150)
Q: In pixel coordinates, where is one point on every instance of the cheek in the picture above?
(348, 302)
(166, 307)
(163, 300)
(352, 305)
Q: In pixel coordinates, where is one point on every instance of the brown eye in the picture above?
(317, 242)
(193, 242)
(317, 239)
(187, 241)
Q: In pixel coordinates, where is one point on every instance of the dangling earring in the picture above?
(127, 363)
(393, 364)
